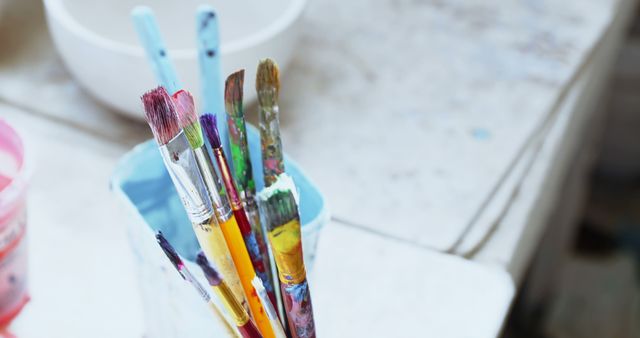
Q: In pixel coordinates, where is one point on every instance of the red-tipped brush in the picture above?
(188, 118)
(160, 113)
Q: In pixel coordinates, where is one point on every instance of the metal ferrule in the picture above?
(290, 267)
(213, 183)
(183, 169)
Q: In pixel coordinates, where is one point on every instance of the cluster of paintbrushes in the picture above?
(231, 221)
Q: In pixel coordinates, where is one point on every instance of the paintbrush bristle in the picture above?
(160, 114)
(169, 250)
(267, 81)
(188, 118)
(279, 208)
(233, 93)
(212, 275)
(210, 127)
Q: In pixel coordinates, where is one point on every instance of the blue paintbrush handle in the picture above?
(210, 69)
(149, 34)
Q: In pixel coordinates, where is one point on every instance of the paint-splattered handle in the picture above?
(240, 156)
(297, 302)
(256, 255)
(272, 158)
(149, 34)
(256, 227)
(209, 60)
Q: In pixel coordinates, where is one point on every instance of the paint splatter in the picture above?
(297, 299)
(481, 134)
(272, 158)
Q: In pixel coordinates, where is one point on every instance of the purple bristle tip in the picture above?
(212, 275)
(169, 250)
(208, 122)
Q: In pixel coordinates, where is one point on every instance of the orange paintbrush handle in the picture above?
(242, 261)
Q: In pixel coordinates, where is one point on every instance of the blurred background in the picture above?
(484, 154)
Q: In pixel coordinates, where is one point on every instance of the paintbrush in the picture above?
(231, 303)
(157, 53)
(209, 57)
(190, 124)
(175, 259)
(210, 75)
(242, 171)
(177, 154)
(183, 169)
(239, 237)
(268, 88)
(279, 209)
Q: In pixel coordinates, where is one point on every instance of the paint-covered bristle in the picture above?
(279, 202)
(188, 118)
(278, 209)
(210, 127)
(169, 250)
(233, 93)
(212, 275)
(283, 182)
(160, 113)
(267, 82)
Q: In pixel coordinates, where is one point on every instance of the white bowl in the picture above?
(98, 43)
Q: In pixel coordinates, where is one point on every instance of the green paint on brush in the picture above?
(188, 118)
(194, 135)
(238, 135)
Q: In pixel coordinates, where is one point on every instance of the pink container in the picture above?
(13, 244)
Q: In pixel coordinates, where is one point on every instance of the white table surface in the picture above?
(567, 148)
(367, 286)
(450, 126)
(454, 91)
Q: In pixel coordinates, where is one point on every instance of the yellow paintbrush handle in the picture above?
(242, 261)
(213, 243)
